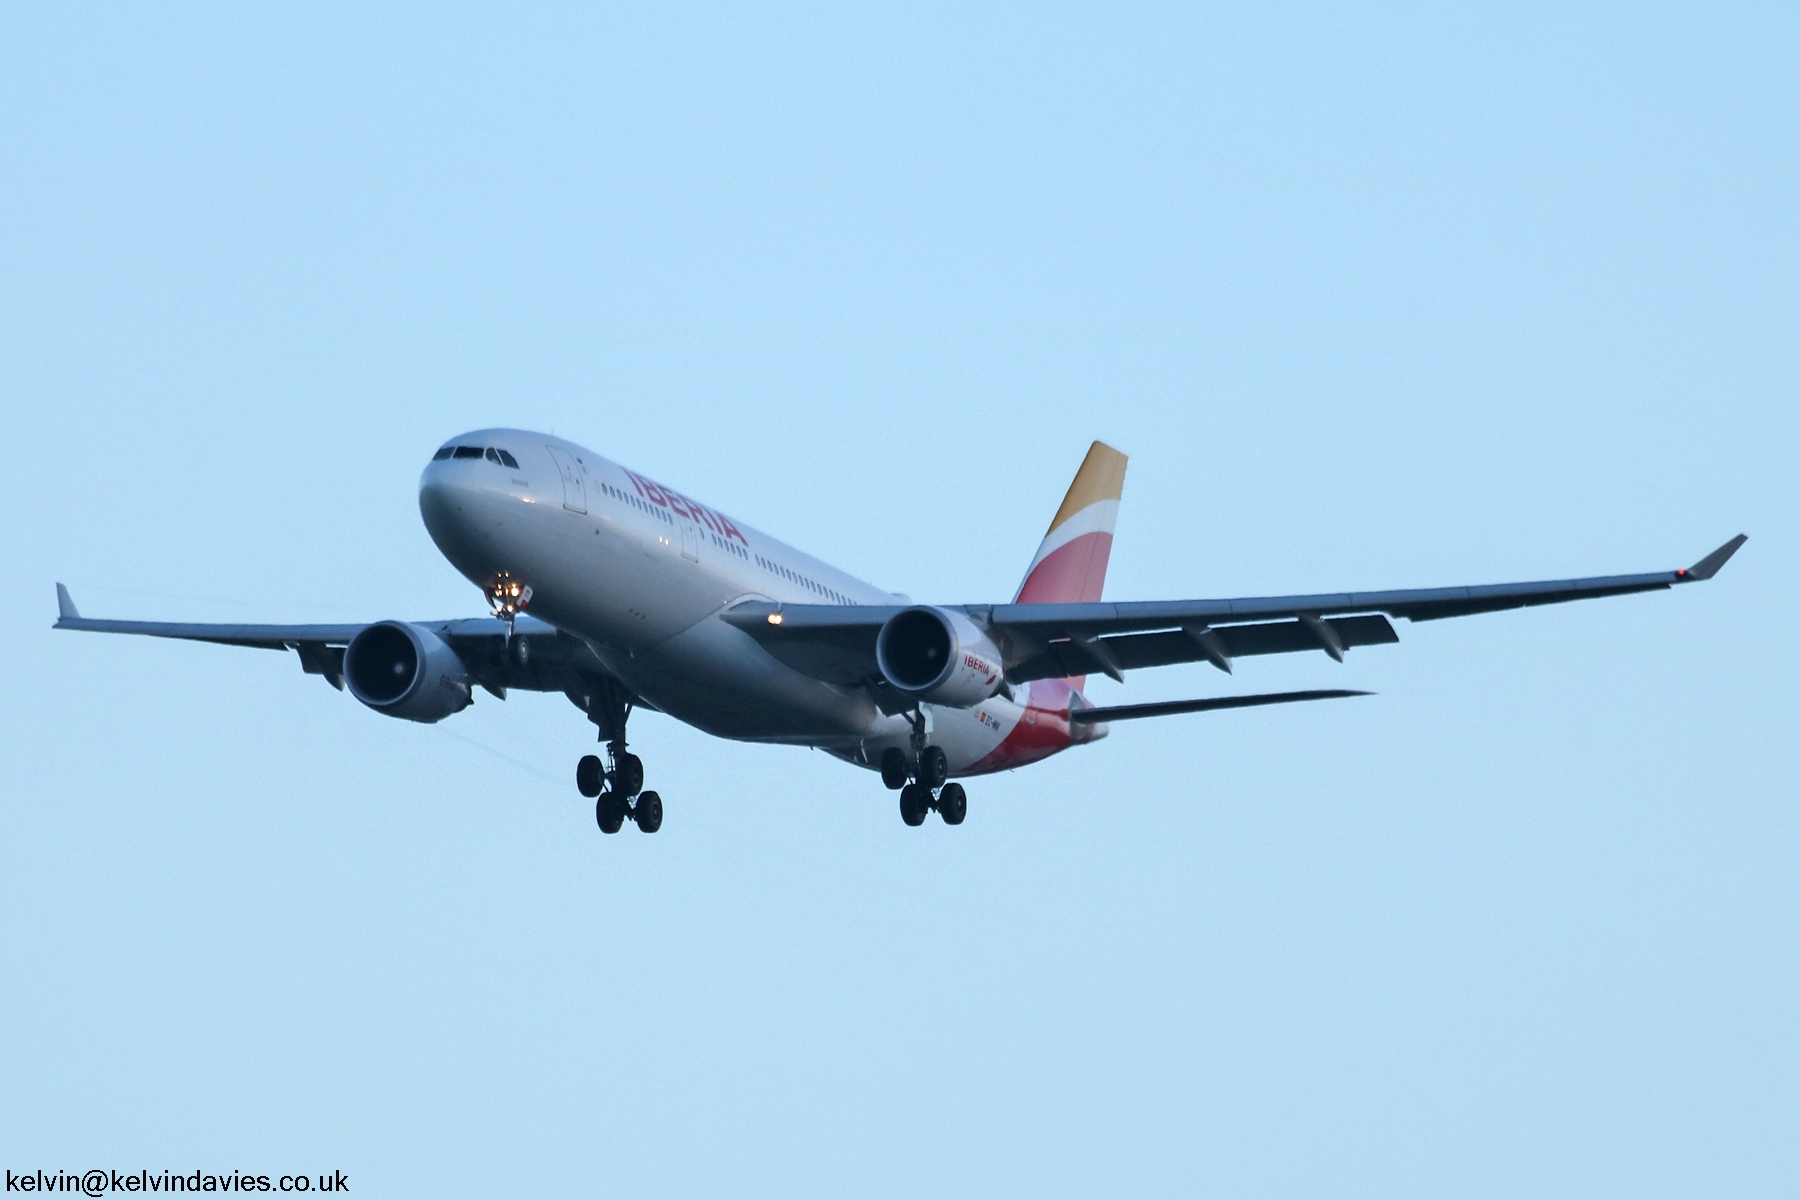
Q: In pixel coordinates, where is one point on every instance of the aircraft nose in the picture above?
(437, 498)
(472, 502)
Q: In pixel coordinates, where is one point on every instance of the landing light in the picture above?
(774, 618)
(508, 596)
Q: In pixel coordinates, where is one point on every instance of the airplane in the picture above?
(623, 593)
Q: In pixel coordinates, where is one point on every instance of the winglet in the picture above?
(65, 605)
(1709, 566)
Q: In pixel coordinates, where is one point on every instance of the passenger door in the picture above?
(690, 539)
(574, 480)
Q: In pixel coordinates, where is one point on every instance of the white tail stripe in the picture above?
(1098, 517)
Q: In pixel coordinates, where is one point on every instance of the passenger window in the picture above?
(508, 460)
(468, 452)
(444, 453)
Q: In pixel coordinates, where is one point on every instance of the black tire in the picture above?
(629, 779)
(934, 767)
(953, 804)
(590, 775)
(609, 813)
(894, 771)
(915, 802)
(649, 812)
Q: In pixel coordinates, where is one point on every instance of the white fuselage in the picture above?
(641, 573)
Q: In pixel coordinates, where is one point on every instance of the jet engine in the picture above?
(405, 671)
(939, 657)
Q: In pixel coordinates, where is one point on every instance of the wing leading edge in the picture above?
(1052, 641)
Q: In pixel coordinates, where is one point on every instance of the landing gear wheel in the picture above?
(609, 813)
(628, 775)
(953, 804)
(893, 768)
(915, 802)
(648, 812)
(934, 767)
(590, 775)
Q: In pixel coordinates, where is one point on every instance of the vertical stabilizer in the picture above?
(1070, 565)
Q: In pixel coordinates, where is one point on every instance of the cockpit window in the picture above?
(468, 452)
(444, 453)
(508, 459)
(493, 456)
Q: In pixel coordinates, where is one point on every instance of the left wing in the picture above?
(836, 643)
(536, 657)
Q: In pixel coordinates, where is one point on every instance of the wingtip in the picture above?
(65, 604)
(1709, 566)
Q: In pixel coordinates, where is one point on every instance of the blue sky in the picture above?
(1373, 297)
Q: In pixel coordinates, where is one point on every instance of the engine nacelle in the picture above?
(939, 656)
(405, 671)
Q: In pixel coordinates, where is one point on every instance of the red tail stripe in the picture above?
(1070, 574)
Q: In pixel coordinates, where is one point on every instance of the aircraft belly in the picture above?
(718, 679)
(969, 735)
(995, 735)
(1038, 729)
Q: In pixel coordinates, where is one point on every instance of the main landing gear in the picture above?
(617, 793)
(920, 779)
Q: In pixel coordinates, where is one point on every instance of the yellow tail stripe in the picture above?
(1102, 477)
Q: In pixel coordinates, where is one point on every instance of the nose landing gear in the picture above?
(927, 771)
(508, 598)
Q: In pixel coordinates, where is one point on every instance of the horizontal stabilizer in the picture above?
(1128, 712)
